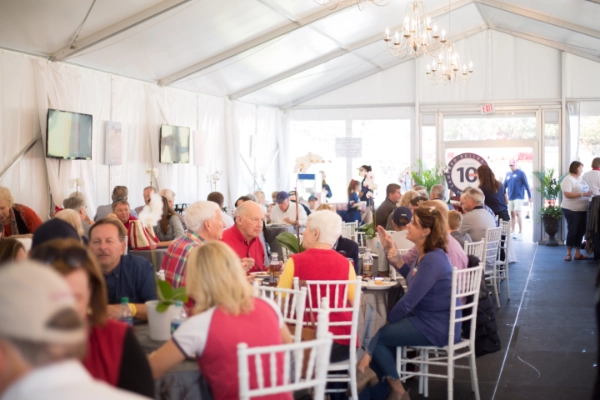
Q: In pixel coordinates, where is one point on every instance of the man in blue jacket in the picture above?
(516, 184)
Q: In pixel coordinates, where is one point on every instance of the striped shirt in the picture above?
(175, 260)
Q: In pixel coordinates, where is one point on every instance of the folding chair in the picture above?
(346, 231)
(290, 358)
(336, 293)
(465, 283)
(492, 242)
(291, 302)
(504, 246)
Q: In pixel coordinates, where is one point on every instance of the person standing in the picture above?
(574, 206)
(495, 196)
(516, 184)
(353, 213)
(592, 177)
(362, 172)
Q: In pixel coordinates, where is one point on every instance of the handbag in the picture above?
(141, 237)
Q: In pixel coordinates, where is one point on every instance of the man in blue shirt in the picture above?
(125, 275)
(516, 184)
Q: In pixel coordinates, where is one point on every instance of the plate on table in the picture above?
(372, 286)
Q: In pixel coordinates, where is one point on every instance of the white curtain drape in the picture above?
(572, 133)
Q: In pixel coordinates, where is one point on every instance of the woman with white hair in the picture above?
(320, 262)
(72, 218)
(16, 219)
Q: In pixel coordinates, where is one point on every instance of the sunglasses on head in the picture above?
(72, 256)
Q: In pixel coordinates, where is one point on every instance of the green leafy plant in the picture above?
(550, 190)
(167, 295)
(368, 229)
(427, 177)
(290, 241)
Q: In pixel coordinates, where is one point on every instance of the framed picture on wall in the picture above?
(113, 154)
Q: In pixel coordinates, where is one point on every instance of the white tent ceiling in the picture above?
(272, 52)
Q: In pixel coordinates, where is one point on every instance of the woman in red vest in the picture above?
(114, 354)
(320, 262)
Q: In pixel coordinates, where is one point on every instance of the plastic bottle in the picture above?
(367, 264)
(274, 268)
(125, 315)
(179, 316)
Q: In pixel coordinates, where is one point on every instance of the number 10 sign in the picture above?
(462, 172)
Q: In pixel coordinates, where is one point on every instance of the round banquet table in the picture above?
(183, 382)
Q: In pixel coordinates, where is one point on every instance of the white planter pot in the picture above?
(159, 323)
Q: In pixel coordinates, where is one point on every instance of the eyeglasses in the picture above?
(72, 256)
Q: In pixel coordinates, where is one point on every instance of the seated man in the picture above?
(76, 202)
(218, 198)
(438, 193)
(476, 218)
(284, 214)
(244, 236)
(41, 350)
(119, 193)
(122, 212)
(386, 208)
(125, 275)
(454, 224)
(293, 200)
(313, 203)
(204, 223)
(148, 190)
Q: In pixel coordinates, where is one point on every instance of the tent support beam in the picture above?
(549, 43)
(338, 53)
(116, 29)
(251, 44)
(540, 17)
(366, 74)
(20, 154)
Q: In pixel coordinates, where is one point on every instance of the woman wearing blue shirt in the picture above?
(353, 213)
(422, 315)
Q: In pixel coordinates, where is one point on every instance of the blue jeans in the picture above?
(576, 226)
(382, 347)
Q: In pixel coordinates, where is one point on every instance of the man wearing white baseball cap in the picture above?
(42, 339)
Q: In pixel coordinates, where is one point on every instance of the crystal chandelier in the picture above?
(418, 37)
(333, 4)
(447, 69)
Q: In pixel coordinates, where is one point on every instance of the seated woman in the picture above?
(346, 247)
(11, 250)
(170, 226)
(225, 314)
(353, 212)
(422, 315)
(72, 218)
(114, 354)
(122, 211)
(16, 219)
(320, 262)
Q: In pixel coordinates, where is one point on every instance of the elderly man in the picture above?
(386, 208)
(244, 236)
(119, 193)
(148, 190)
(476, 218)
(41, 351)
(123, 213)
(76, 202)
(169, 195)
(218, 198)
(284, 214)
(438, 193)
(125, 275)
(204, 222)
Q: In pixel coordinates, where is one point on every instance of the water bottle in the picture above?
(125, 315)
(367, 263)
(274, 268)
(179, 316)
(126, 245)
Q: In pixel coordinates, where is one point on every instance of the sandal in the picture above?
(581, 257)
(568, 258)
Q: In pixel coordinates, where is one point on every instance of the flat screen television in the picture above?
(68, 135)
(174, 144)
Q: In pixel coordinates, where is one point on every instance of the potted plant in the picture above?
(160, 312)
(428, 177)
(551, 212)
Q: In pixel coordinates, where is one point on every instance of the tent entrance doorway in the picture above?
(498, 154)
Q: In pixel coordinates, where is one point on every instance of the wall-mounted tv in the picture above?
(68, 135)
(174, 144)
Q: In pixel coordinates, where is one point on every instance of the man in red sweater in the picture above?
(243, 236)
